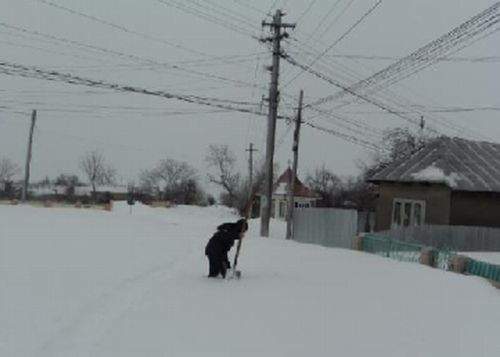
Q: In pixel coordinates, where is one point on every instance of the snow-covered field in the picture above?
(94, 283)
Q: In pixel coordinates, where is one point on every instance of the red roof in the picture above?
(300, 190)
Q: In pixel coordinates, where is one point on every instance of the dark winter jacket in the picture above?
(222, 241)
(234, 228)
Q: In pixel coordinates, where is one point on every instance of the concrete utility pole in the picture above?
(291, 185)
(250, 151)
(28, 158)
(276, 27)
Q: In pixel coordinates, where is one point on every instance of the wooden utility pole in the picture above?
(277, 35)
(28, 158)
(250, 151)
(291, 185)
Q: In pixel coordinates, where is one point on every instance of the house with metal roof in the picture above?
(303, 197)
(450, 181)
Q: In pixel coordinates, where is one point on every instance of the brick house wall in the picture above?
(475, 209)
(437, 199)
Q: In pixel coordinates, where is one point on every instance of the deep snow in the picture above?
(94, 283)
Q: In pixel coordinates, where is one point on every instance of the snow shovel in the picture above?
(233, 272)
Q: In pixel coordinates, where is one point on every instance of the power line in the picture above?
(427, 55)
(227, 13)
(34, 72)
(339, 85)
(392, 96)
(451, 110)
(250, 7)
(127, 56)
(480, 59)
(41, 49)
(211, 18)
(304, 13)
(350, 138)
(337, 41)
(358, 124)
(122, 28)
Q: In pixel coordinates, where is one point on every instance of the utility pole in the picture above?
(277, 35)
(291, 185)
(422, 127)
(250, 151)
(28, 158)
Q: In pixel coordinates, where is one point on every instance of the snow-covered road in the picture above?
(91, 283)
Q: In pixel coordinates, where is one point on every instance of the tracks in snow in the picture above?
(81, 335)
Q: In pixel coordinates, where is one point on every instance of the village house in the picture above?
(303, 196)
(450, 181)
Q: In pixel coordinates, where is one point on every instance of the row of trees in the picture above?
(397, 144)
(93, 165)
(179, 182)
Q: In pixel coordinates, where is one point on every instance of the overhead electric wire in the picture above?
(392, 96)
(339, 85)
(34, 72)
(122, 28)
(451, 110)
(335, 20)
(41, 49)
(346, 137)
(306, 11)
(127, 56)
(479, 59)
(237, 28)
(221, 10)
(452, 126)
(337, 41)
(250, 7)
(427, 54)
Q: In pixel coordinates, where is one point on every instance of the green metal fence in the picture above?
(483, 269)
(410, 252)
(386, 247)
(403, 251)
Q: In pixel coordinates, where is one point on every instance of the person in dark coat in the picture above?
(219, 245)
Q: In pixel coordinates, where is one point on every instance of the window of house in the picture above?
(408, 212)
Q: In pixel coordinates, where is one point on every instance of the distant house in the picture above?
(303, 196)
(451, 181)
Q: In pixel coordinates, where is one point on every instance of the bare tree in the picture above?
(172, 180)
(98, 172)
(69, 182)
(222, 161)
(326, 184)
(397, 144)
(8, 170)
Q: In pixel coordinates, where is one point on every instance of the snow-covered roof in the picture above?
(462, 165)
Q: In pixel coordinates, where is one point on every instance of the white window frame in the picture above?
(412, 202)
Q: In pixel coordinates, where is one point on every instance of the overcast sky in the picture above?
(135, 131)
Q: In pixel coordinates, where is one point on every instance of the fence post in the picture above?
(357, 243)
(458, 263)
(428, 256)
